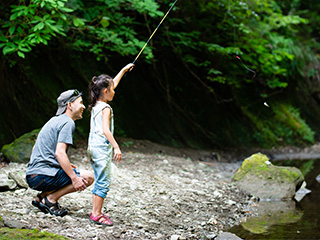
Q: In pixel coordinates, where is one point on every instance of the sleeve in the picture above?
(65, 134)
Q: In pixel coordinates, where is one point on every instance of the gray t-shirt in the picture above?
(43, 159)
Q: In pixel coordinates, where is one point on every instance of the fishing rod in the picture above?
(152, 35)
(154, 32)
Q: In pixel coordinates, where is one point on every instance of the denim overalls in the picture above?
(100, 150)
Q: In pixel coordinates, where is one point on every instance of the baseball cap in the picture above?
(65, 98)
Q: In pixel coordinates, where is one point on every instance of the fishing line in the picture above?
(254, 73)
(234, 42)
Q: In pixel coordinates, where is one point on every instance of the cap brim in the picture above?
(61, 110)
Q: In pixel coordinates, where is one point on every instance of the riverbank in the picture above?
(157, 192)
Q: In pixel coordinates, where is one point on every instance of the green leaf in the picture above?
(21, 54)
(64, 9)
(77, 22)
(105, 22)
(12, 29)
(39, 26)
(13, 16)
(10, 48)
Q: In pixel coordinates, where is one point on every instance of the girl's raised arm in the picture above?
(117, 78)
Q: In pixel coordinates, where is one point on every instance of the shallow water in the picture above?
(291, 220)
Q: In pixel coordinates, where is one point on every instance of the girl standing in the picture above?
(101, 141)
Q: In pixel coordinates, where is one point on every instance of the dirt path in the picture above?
(157, 192)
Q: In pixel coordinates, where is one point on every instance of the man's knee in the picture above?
(88, 176)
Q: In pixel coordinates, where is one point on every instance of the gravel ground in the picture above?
(157, 192)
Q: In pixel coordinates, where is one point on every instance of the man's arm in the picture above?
(78, 183)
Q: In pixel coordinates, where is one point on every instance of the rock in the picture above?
(212, 221)
(15, 224)
(211, 236)
(6, 183)
(1, 222)
(3, 160)
(20, 149)
(17, 177)
(302, 192)
(262, 179)
(174, 237)
(227, 236)
(318, 178)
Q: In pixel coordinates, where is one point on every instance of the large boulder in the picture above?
(20, 150)
(262, 179)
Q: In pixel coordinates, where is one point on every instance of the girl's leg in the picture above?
(97, 203)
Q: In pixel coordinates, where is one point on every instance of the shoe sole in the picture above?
(99, 223)
(37, 205)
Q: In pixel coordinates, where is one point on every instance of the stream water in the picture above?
(287, 220)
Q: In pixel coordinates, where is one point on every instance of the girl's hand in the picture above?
(128, 67)
(117, 154)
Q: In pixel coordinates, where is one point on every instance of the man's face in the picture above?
(77, 108)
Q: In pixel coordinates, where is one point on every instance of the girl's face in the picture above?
(110, 92)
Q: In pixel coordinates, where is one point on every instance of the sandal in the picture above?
(37, 204)
(101, 220)
(52, 208)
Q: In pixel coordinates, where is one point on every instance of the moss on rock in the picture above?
(261, 178)
(20, 149)
(1, 222)
(262, 167)
(17, 234)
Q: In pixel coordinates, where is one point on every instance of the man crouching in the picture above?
(49, 169)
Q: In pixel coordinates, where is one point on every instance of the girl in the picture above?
(101, 140)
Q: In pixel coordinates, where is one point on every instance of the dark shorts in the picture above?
(46, 183)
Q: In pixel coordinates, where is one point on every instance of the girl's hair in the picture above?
(95, 87)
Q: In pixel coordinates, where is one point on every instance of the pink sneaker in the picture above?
(101, 220)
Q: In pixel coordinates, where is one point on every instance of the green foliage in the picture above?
(285, 126)
(307, 166)
(199, 42)
(256, 30)
(98, 27)
(297, 128)
(32, 24)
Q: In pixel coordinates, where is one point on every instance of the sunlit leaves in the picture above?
(207, 35)
(32, 24)
(147, 6)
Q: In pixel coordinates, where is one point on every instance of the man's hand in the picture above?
(79, 183)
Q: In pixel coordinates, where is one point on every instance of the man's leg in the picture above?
(54, 196)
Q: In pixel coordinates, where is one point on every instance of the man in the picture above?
(49, 169)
